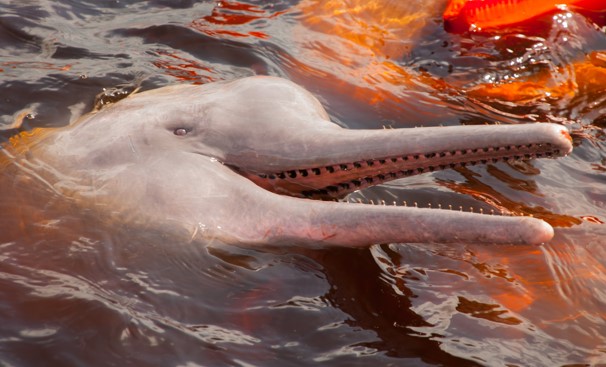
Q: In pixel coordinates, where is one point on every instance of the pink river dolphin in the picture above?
(253, 161)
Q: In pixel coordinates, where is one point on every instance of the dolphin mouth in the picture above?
(334, 181)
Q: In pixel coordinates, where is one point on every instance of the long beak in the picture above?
(336, 162)
(343, 161)
(360, 225)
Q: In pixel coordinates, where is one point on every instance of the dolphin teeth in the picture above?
(332, 189)
(391, 168)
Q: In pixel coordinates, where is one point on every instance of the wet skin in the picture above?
(242, 161)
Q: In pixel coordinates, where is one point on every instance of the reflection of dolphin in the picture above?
(212, 159)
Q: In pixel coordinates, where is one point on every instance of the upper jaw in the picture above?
(383, 155)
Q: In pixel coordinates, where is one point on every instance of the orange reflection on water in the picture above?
(475, 188)
(227, 14)
(592, 219)
(589, 76)
(463, 15)
(183, 68)
(221, 13)
(379, 26)
(363, 43)
(13, 65)
(367, 39)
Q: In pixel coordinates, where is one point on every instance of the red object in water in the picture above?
(464, 15)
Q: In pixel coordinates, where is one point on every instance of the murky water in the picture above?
(75, 292)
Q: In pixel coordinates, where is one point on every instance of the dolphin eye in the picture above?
(180, 131)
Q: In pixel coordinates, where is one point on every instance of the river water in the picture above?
(77, 293)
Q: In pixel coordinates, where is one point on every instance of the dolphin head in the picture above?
(247, 156)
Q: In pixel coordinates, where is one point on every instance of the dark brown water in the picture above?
(77, 293)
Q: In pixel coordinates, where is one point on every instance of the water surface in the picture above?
(74, 292)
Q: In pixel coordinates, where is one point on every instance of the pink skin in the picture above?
(238, 161)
